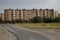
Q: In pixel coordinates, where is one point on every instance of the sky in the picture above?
(29, 4)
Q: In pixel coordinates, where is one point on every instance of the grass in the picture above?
(40, 25)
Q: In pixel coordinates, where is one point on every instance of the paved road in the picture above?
(24, 34)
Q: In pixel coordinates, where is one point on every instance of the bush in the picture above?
(19, 21)
(48, 20)
(1, 21)
(44, 20)
(35, 20)
(57, 19)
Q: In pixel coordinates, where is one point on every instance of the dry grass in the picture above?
(40, 25)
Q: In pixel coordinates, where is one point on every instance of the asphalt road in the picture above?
(24, 34)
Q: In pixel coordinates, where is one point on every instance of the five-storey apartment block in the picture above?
(17, 14)
(49, 13)
(8, 14)
(27, 14)
(41, 13)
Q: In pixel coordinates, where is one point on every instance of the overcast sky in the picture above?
(29, 4)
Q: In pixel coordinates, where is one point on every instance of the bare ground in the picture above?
(6, 35)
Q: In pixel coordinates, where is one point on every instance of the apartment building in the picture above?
(49, 13)
(13, 15)
(2, 17)
(56, 14)
(41, 13)
(8, 14)
(17, 14)
(29, 14)
(22, 14)
(34, 13)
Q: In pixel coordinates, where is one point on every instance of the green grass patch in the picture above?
(40, 25)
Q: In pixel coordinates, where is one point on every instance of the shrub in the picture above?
(48, 20)
(57, 19)
(35, 20)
